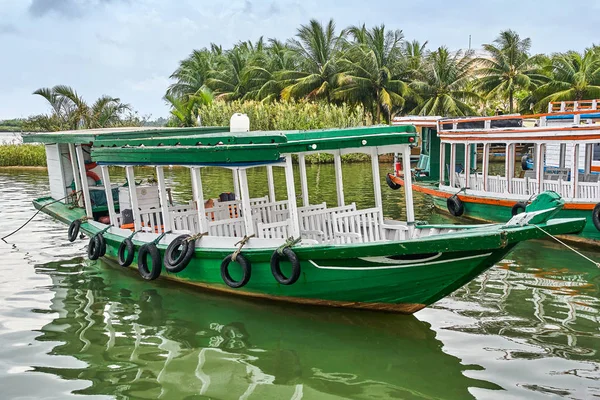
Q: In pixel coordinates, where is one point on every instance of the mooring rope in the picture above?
(597, 264)
(196, 236)
(239, 249)
(33, 216)
(288, 243)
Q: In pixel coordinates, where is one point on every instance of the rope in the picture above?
(288, 243)
(155, 241)
(196, 236)
(133, 234)
(597, 264)
(457, 193)
(32, 217)
(239, 249)
(102, 231)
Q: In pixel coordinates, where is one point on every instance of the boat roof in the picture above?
(89, 136)
(227, 148)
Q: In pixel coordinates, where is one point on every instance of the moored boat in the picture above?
(264, 246)
(560, 153)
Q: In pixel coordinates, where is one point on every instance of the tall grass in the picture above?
(22, 155)
(290, 115)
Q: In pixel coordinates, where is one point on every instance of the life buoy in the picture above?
(179, 253)
(94, 176)
(391, 181)
(518, 208)
(596, 216)
(90, 165)
(276, 267)
(246, 268)
(94, 248)
(455, 206)
(524, 165)
(149, 249)
(74, 230)
(126, 252)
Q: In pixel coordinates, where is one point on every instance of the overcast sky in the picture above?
(128, 48)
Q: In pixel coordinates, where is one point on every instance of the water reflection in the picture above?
(144, 340)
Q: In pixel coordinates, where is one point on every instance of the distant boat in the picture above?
(263, 247)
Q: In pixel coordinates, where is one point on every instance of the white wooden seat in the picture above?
(273, 230)
(230, 227)
(266, 212)
(362, 226)
(317, 224)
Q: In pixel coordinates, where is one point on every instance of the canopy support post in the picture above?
(485, 165)
(291, 194)
(575, 171)
(109, 198)
(137, 223)
(442, 163)
(245, 197)
(539, 166)
(339, 184)
(164, 198)
(84, 183)
(376, 181)
(76, 177)
(452, 172)
(303, 181)
(562, 156)
(236, 184)
(589, 151)
(271, 184)
(199, 199)
(408, 192)
(467, 164)
(508, 166)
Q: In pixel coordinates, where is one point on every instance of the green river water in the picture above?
(71, 328)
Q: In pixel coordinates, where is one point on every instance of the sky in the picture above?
(128, 48)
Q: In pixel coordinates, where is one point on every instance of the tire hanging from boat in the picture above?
(455, 206)
(74, 230)
(518, 208)
(149, 249)
(246, 268)
(179, 253)
(596, 216)
(94, 248)
(102, 242)
(393, 185)
(276, 267)
(126, 246)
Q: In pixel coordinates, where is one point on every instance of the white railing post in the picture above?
(76, 176)
(245, 197)
(164, 199)
(84, 182)
(303, 180)
(408, 192)
(109, 198)
(339, 184)
(291, 192)
(137, 220)
(199, 199)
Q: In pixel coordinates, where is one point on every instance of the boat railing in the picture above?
(317, 224)
(563, 106)
(270, 212)
(231, 227)
(360, 226)
(273, 230)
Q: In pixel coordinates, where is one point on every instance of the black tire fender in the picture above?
(74, 230)
(455, 206)
(126, 246)
(246, 267)
(276, 267)
(393, 185)
(102, 242)
(518, 208)
(177, 262)
(149, 249)
(596, 216)
(94, 248)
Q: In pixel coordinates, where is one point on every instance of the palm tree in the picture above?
(70, 111)
(573, 76)
(414, 59)
(185, 111)
(368, 67)
(193, 71)
(444, 89)
(509, 68)
(227, 79)
(318, 47)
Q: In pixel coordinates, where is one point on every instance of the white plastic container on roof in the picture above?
(239, 123)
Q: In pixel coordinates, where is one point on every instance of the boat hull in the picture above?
(388, 276)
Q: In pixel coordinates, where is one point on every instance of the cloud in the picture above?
(8, 29)
(67, 8)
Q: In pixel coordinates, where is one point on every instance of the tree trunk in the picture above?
(510, 101)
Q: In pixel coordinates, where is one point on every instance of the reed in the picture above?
(22, 155)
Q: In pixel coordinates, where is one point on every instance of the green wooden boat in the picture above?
(263, 247)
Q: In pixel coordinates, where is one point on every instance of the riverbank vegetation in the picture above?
(22, 155)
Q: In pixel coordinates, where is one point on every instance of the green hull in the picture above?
(392, 276)
(497, 213)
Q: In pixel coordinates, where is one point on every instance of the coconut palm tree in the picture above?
(368, 70)
(227, 80)
(414, 59)
(184, 111)
(193, 71)
(70, 111)
(509, 68)
(317, 46)
(573, 76)
(444, 89)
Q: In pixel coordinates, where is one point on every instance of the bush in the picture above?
(22, 155)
